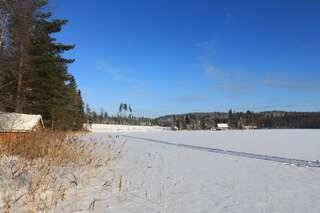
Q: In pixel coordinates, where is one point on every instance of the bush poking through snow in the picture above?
(37, 171)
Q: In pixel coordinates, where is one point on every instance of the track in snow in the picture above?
(291, 161)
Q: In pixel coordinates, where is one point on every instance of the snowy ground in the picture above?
(121, 128)
(155, 177)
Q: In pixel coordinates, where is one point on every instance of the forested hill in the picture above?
(268, 119)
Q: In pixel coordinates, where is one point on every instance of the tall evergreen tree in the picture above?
(19, 24)
(54, 92)
(74, 108)
(15, 39)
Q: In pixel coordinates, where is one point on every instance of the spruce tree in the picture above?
(54, 92)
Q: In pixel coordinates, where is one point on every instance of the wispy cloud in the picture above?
(212, 72)
(116, 73)
(139, 92)
(208, 49)
(226, 81)
(187, 99)
(229, 82)
(234, 88)
(292, 85)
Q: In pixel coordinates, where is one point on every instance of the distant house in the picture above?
(248, 127)
(222, 126)
(15, 124)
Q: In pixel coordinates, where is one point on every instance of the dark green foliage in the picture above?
(54, 91)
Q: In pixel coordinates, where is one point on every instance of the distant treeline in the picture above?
(205, 121)
(124, 117)
(238, 120)
(34, 76)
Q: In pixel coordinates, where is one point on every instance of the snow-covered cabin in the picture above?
(222, 126)
(13, 124)
(248, 127)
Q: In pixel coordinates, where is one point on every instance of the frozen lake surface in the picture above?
(160, 177)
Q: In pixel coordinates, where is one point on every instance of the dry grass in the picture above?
(54, 147)
(37, 171)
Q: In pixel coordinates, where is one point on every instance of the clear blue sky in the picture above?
(176, 56)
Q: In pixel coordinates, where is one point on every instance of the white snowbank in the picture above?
(122, 128)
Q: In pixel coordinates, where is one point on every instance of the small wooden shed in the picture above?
(16, 124)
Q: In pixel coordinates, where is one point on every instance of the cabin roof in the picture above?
(16, 122)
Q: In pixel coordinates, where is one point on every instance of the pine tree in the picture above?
(21, 19)
(74, 107)
(54, 92)
(15, 30)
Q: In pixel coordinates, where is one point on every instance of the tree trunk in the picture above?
(19, 90)
(1, 40)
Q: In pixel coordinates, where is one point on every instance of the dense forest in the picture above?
(237, 120)
(124, 117)
(206, 121)
(34, 75)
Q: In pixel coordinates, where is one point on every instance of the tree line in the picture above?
(238, 120)
(206, 121)
(124, 117)
(34, 76)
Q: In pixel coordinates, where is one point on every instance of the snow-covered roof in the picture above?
(16, 122)
(222, 125)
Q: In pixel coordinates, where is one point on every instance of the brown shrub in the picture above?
(55, 147)
(38, 169)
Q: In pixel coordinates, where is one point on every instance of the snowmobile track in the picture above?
(290, 161)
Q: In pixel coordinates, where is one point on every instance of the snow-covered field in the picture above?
(160, 177)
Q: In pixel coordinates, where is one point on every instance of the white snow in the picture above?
(121, 128)
(159, 177)
(164, 178)
(301, 144)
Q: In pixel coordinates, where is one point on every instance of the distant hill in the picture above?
(237, 120)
